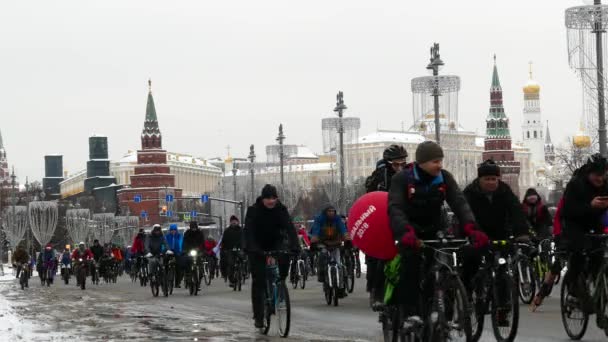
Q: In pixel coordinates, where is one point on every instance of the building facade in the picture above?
(497, 144)
(532, 127)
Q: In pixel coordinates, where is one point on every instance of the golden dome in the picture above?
(581, 139)
(531, 87)
(228, 160)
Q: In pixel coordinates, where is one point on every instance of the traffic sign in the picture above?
(193, 213)
(169, 198)
(137, 198)
(144, 214)
(169, 213)
(204, 198)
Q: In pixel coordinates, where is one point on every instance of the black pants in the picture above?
(180, 266)
(375, 277)
(414, 267)
(257, 265)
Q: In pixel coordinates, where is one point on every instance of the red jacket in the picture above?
(302, 233)
(87, 255)
(117, 254)
(138, 245)
(209, 246)
(557, 221)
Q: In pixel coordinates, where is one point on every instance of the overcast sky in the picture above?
(228, 72)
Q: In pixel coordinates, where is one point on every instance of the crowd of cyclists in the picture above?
(462, 254)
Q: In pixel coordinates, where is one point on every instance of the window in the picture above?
(528, 134)
(535, 136)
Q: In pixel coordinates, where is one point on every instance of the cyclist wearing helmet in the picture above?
(393, 160)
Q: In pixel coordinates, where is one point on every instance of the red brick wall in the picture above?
(148, 169)
(154, 180)
(144, 157)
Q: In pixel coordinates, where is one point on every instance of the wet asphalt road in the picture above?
(126, 311)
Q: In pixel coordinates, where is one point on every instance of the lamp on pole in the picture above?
(598, 29)
(234, 171)
(280, 139)
(340, 108)
(435, 64)
(251, 158)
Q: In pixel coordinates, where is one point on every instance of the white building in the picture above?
(194, 175)
(532, 127)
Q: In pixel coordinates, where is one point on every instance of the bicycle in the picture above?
(357, 262)
(298, 271)
(157, 276)
(493, 290)
(66, 270)
(170, 265)
(24, 276)
(542, 260)
(590, 292)
(334, 285)
(142, 271)
(236, 270)
(276, 301)
(208, 269)
(81, 273)
(193, 278)
(348, 260)
(527, 282)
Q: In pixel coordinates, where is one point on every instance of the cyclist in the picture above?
(175, 240)
(210, 248)
(394, 159)
(49, 259)
(138, 248)
(585, 201)
(537, 214)
(155, 246)
(194, 239)
(268, 227)
(329, 230)
(81, 253)
(97, 250)
(498, 213)
(66, 260)
(20, 258)
(415, 204)
(233, 238)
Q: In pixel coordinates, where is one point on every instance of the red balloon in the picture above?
(369, 226)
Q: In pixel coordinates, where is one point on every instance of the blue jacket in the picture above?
(175, 242)
(322, 227)
(66, 259)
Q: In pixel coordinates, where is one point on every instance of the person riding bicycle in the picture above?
(416, 200)
(210, 248)
(194, 239)
(394, 159)
(175, 240)
(49, 259)
(268, 227)
(585, 202)
(328, 229)
(66, 260)
(20, 258)
(537, 214)
(155, 246)
(138, 248)
(498, 214)
(232, 239)
(97, 250)
(84, 254)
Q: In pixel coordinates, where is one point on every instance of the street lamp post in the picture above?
(252, 171)
(234, 171)
(434, 66)
(340, 108)
(599, 30)
(280, 139)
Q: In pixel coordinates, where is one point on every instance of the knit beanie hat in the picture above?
(234, 218)
(488, 168)
(269, 191)
(427, 151)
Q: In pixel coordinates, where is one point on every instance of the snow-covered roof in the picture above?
(287, 168)
(480, 141)
(392, 137)
(304, 153)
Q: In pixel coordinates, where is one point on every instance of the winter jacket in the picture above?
(558, 219)
(156, 243)
(21, 256)
(175, 242)
(194, 238)
(578, 215)
(97, 252)
(537, 215)
(328, 229)
(380, 179)
(49, 255)
(499, 214)
(233, 238)
(66, 259)
(117, 253)
(416, 199)
(303, 235)
(269, 229)
(86, 255)
(209, 246)
(138, 244)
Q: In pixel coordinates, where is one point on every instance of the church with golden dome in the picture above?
(532, 124)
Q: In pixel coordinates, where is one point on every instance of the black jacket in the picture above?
(233, 238)
(194, 238)
(577, 214)
(499, 215)
(97, 252)
(537, 215)
(380, 179)
(416, 198)
(269, 229)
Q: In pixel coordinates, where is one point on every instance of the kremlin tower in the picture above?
(152, 181)
(497, 144)
(532, 127)
(5, 175)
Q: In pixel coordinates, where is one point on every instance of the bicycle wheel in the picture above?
(357, 266)
(458, 311)
(208, 274)
(154, 286)
(283, 310)
(480, 300)
(267, 313)
(302, 274)
(526, 285)
(505, 308)
(392, 322)
(574, 318)
(293, 274)
(195, 283)
(328, 293)
(162, 279)
(170, 279)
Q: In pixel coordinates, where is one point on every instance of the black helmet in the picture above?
(597, 163)
(394, 152)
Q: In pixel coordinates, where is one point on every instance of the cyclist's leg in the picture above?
(283, 262)
(257, 265)
(229, 266)
(323, 255)
(409, 281)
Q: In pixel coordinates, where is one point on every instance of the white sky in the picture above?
(228, 72)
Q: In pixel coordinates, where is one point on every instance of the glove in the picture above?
(480, 239)
(409, 239)
(149, 255)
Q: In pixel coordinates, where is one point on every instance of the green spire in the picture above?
(151, 123)
(495, 79)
